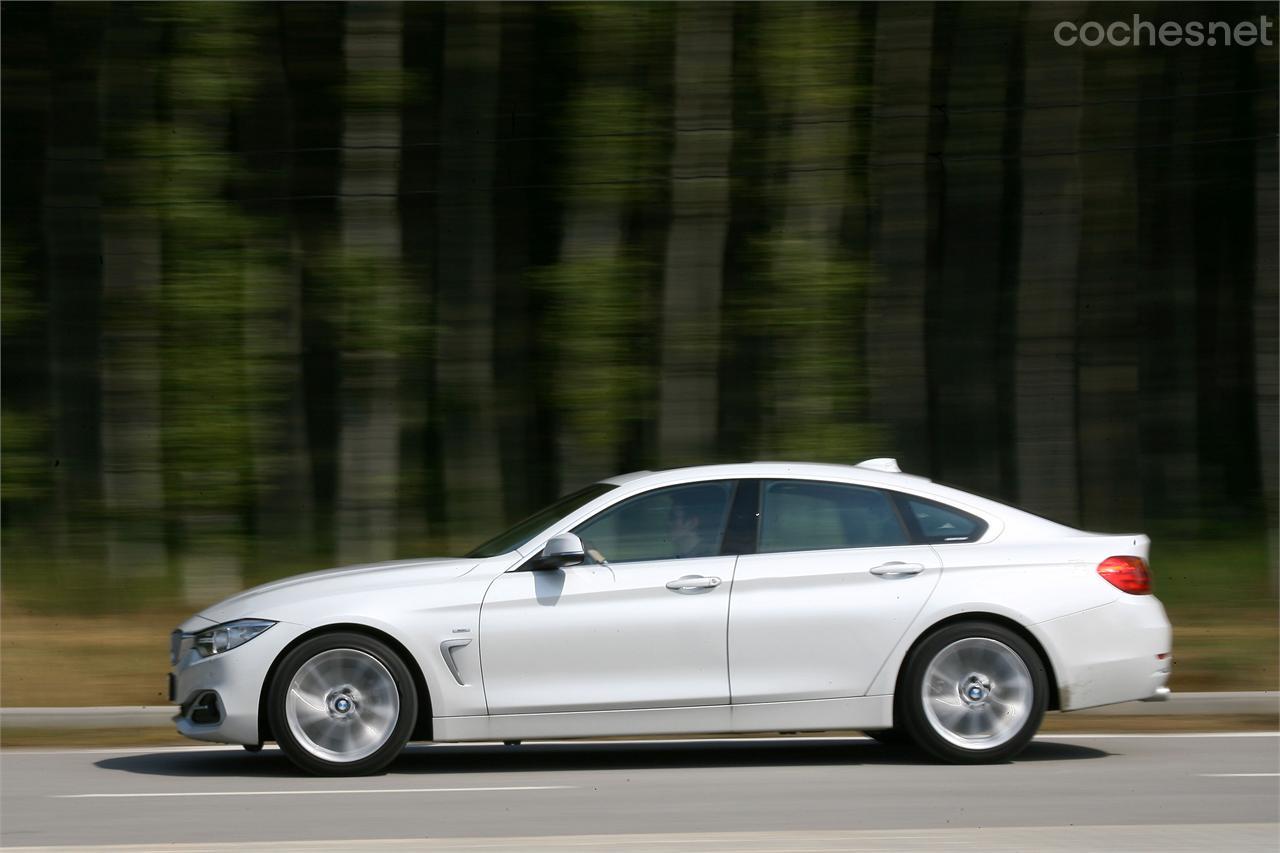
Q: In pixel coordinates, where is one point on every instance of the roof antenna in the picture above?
(883, 463)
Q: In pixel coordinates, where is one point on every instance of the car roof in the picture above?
(790, 470)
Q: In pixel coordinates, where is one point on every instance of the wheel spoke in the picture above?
(951, 668)
(977, 693)
(949, 713)
(331, 721)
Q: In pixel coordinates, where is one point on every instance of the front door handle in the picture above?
(691, 582)
(897, 570)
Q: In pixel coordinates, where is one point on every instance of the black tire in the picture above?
(990, 658)
(396, 702)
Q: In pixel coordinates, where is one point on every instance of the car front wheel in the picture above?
(342, 704)
(973, 693)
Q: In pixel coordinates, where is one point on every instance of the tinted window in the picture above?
(510, 540)
(665, 524)
(805, 516)
(939, 524)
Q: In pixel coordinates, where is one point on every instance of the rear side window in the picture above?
(939, 524)
(802, 515)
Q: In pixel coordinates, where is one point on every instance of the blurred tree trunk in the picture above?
(206, 450)
(599, 319)
(369, 461)
(1266, 302)
(742, 350)
(282, 489)
(465, 272)
(1167, 275)
(813, 391)
(526, 227)
(895, 321)
(1045, 359)
(133, 481)
(1107, 372)
(311, 36)
(26, 512)
(1231, 477)
(73, 239)
(421, 493)
(696, 242)
(967, 302)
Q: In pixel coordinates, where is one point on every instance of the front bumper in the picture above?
(218, 696)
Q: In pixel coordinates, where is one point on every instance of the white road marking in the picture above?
(139, 750)
(1239, 775)
(304, 793)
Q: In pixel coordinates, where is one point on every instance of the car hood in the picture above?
(266, 600)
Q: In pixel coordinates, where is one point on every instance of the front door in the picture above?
(643, 625)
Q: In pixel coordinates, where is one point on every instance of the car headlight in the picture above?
(228, 635)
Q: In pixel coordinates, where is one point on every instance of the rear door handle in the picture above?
(691, 582)
(896, 569)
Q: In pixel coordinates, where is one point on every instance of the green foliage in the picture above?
(374, 91)
(808, 299)
(600, 326)
(602, 320)
(203, 302)
(804, 307)
(809, 50)
(24, 465)
(16, 285)
(613, 157)
(366, 291)
(23, 436)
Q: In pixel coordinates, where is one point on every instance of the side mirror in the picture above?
(561, 551)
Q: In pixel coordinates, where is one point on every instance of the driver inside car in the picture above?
(694, 522)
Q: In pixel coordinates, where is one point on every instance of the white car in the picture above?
(756, 597)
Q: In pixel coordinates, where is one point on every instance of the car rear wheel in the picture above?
(342, 704)
(974, 692)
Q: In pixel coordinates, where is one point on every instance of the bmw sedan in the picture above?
(757, 597)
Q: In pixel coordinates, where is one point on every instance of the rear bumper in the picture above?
(1118, 652)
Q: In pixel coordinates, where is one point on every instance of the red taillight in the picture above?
(1128, 574)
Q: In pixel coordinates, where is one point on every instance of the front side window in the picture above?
(665, 524)
(521, 533)
(802, 515)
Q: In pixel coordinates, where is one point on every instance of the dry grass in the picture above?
(84, 660)
(1226, 650)
(11, 737)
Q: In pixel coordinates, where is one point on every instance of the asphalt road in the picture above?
(1066, 792)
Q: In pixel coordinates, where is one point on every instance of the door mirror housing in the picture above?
(560, 551)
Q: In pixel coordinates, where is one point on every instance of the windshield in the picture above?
(513, 538)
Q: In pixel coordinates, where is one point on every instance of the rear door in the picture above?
(835, 582)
